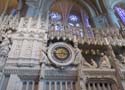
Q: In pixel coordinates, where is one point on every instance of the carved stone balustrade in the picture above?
(98, 73)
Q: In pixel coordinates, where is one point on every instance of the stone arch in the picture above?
(117, 2)
(109, 5)
(101, 5)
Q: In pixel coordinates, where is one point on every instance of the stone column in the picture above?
(112, 17)
(33, 85)
(4, 82)
(82, 85)
(103, 86)
(41, 85)
(123, 83)
(61, 85)
(1, 80)
(55, 83)
(14, 83)
(89, 87)
(114, 87)
(98, 86)
(109, 87)
(94, 87)
(20, 5)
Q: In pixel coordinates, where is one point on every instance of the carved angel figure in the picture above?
(104, 61)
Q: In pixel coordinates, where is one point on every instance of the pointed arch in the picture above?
(91, 11)
(117, 2)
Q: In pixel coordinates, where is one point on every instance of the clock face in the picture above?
(61, 54)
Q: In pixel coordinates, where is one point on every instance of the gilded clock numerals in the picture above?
(61, 53)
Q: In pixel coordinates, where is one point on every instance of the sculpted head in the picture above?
(102, 54)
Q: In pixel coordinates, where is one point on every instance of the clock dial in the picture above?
(61, 53)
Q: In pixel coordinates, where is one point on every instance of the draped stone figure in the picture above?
(43, 62)
(121, 61)
(93, 64)
(81, 60)
(78, 56)
(4, 50)
(104, 61)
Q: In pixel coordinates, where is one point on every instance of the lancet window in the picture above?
(121, 13)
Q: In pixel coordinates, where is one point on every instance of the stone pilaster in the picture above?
(41, 85)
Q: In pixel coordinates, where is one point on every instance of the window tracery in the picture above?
(55, 20)
(55, 16)
(74, 20)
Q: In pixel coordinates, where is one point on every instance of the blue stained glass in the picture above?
(87, 24)
(54, 16)
(74, 20)
(57, 28)
(121, 12)
(14, 12)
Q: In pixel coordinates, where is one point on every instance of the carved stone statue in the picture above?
(43, 63)
(78, 56)
(93, 64)
(80, 59)
(104, 61)
(85, 64)
(4, 50)
(121, 61)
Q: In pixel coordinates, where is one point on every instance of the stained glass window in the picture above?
(55, 16)
(58, 27)
(87, 24)
(74, 20)
(121, 13)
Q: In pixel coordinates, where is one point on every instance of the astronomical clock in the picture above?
(61, 54)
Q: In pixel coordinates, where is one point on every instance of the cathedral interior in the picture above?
(62, 45)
